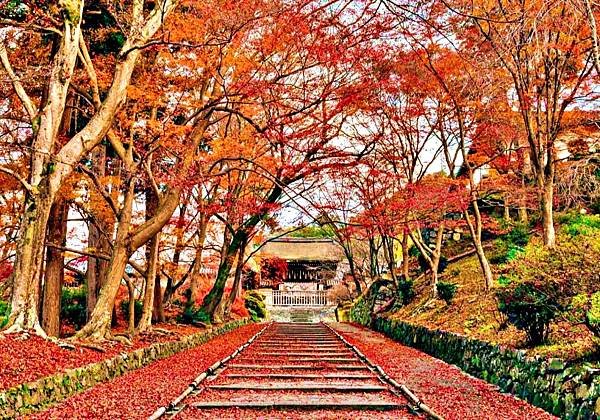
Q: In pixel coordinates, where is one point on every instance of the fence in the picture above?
(298, 298)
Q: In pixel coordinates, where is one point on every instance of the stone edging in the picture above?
(38, 394)
(565, 391)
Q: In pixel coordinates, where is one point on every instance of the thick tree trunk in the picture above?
(145, 323)
(54, 274)
(237, 280)
(158, 313)
(97, 240)
(98, 327)
(50, 167)
(213, 298)
(28, 267)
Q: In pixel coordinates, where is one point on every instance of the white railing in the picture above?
(299, 298)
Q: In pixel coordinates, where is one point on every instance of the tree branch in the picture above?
(16, 82)
(19, 178)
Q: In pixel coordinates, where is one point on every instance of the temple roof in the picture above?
(303, 249)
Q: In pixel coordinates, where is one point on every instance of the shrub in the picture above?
(73, 306)
(573, 265)
(137, 309)
(592, 315)
(255, 303)
(530, 306)
(518, 235)
(510, 245)
(4, 312)
(192, 315)
(447, 291)
(405, 291)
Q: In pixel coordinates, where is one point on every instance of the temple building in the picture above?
(314, 265)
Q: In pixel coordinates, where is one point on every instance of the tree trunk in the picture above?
(237, 282)
(145, 323)
(213, 298)
(28, 267)
(159, 309)
(506, 211)
(475, 230)
(548, 213)
(50, 166)
(198, 260)
(405, 257)
(97, 240)
(523, 217)
(55, 274)
(373, 260)
(98, 327)
(433, 260)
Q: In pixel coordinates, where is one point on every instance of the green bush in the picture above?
(518, 235)
(405, 291)
(510, 245)
(592, 315)
(138, 306)
(192, 315)
(530, 306)
(255, 303)
(447, 291)
(363, 307)
(73, 306)
(4, 312)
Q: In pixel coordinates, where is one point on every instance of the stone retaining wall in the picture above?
(36, 395)
(566, 391)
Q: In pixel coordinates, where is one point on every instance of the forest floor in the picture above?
(474, 313)
(444, 388)
(139, 393)
(24, 358)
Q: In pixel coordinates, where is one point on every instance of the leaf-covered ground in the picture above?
(445, 388)
(24, 359)
(139, 393)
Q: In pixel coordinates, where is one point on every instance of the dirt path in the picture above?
(445, 388)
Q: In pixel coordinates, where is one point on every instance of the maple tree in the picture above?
(177, 130)
(542, 47)
(52, 159)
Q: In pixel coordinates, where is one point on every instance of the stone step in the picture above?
(355, 404)
(298, 367)
(299, 359)
(300, 347)
(301, 376)
(320, 353)
(305, 342)
(300, 387)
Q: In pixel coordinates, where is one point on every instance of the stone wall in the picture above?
(298, 314)
(36, 395)
(566, 391)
